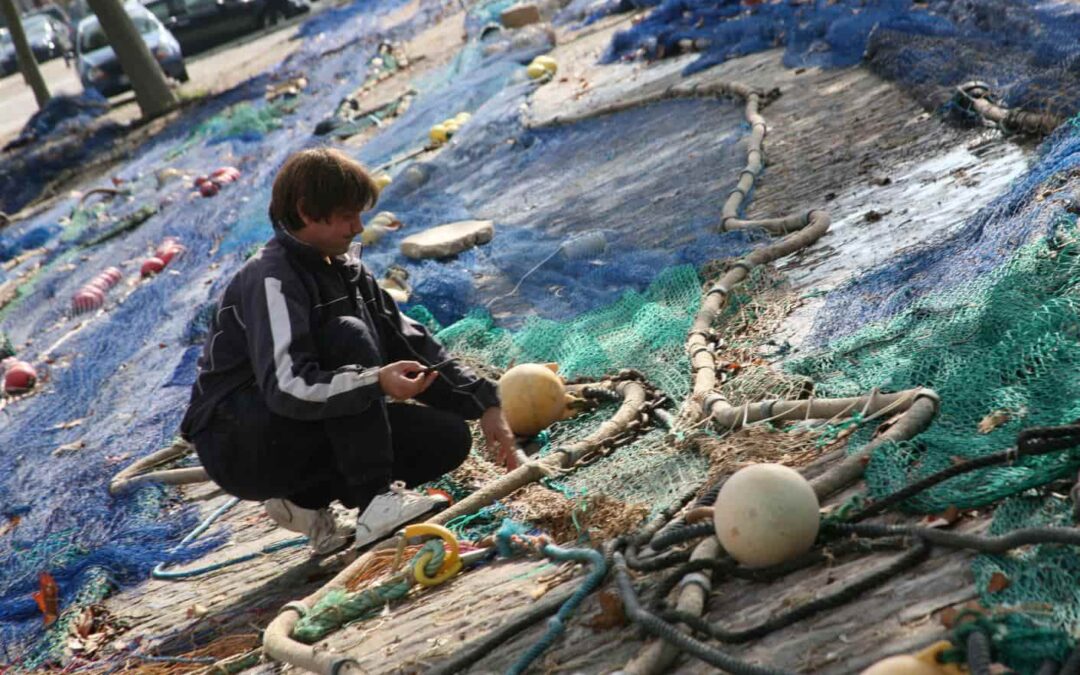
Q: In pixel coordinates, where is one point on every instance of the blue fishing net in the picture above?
(1026, 50)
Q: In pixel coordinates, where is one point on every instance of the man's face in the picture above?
(333, 235)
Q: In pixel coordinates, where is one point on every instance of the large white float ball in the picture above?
(766, 514)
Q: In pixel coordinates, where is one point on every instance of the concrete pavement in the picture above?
(211, 72)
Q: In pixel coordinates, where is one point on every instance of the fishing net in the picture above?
(1024, 50)
(646, 332)
(594, 265)
(999, 351)
(989, 320)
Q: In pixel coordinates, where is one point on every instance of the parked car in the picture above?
(97, 63)
(61, 17)
(48, 39)
(7, 53)
(202, 24)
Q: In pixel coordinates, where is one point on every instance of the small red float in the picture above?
(19, 377)
(166, 255)
(168, 249)
(209, 189)
(151, 266)
(227, 174)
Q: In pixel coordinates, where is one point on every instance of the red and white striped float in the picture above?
(92, 295)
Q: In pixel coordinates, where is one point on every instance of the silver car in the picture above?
(97, 63)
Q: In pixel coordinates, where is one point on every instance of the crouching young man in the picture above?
(300, 395)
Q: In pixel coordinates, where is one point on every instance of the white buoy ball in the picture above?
(462, 118)
(533, 397)
(766, 514)
(902, 665)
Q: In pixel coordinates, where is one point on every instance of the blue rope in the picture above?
(557, 623)
(176, 659)
(159, 572)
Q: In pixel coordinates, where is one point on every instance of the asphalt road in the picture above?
(212, 71)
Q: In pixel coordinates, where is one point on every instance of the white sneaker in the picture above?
(392, 509)
(320, 525)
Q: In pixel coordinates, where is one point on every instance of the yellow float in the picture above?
(536, 71)
(924, 663)
(382, 179)
(533, 397)
(438, 134)
(548, 63)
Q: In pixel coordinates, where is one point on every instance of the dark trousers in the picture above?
(253, 453)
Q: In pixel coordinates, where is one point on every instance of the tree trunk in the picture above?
(27, 64)
(151, 90)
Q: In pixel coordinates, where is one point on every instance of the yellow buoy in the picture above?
(901, 665)
(382, 219)
(923, 663)
(766, 514)
(382, 179)
(533, 397)
(536, 71)
(451, 127)
(438, 134)
(548, 63)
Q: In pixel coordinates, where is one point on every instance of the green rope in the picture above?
(339, 607)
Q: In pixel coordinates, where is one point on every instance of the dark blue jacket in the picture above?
(264, 332)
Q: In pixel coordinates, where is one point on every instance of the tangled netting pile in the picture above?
(988, 319)
(595, 218)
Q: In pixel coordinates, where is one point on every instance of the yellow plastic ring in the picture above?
(444, 572)
(453, 553)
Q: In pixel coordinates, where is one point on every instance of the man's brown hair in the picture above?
(319, 181)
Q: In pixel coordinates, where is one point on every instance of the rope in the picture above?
(729, 567)
(1030, 442)
(848, 592)
(340, 607)
(978, 653)
(557, 624)
(657, 627)
(478, 649)
(159, 572)
(667, 536)
(685, 533)
(973, 542)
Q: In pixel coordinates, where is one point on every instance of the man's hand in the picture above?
(500, 440)
(403, 380)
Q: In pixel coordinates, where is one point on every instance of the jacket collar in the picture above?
(309, 255)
